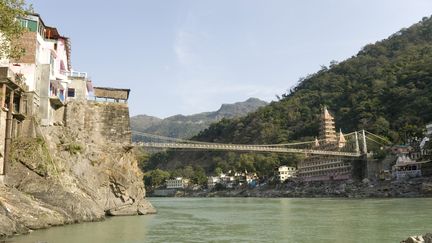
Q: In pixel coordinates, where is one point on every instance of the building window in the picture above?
(30, 25)
(71, 92)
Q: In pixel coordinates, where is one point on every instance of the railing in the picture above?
(74, 74)
(106, 100)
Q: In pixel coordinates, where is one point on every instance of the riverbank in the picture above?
(415, 187)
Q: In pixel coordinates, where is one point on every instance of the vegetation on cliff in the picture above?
(11, 29)
(386, 88)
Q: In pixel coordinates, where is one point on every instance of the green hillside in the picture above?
(386, 88)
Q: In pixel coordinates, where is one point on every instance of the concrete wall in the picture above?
(103, 122)
(80, 86)
(31, 103)
(45, 106)
(374, 166)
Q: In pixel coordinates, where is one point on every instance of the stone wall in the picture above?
(80, 86)
(374, 166)
(106, 122)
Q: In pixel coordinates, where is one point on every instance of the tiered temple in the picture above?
(319, 167)
(327, 129)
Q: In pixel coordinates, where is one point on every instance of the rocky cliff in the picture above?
(80, 170)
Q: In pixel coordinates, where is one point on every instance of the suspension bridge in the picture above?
(347, 146)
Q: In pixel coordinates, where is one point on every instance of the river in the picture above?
(254, 220)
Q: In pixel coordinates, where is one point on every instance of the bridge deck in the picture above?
(252, 148)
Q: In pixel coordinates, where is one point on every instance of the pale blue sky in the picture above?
(190, 56)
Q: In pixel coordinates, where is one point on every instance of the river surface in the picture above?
(254, 220)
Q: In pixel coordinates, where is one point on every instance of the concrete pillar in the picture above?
(3, 97)
(8, 137)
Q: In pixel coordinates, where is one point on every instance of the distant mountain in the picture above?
(180, 126)
(143, 121)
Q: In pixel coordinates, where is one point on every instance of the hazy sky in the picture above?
(189, 56)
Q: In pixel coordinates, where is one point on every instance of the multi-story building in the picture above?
(177, 183)
(34, 89)
(212, 181)
(13, 111)
(44, 66)
(284, 172)
(321, 167)
(46, 70)
(406, 166)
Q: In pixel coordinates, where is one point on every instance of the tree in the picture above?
(142, 157)
(218, 171)
(156, 177)
(10, 28)
(199, 176)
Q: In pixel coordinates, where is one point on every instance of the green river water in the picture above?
(255, 220)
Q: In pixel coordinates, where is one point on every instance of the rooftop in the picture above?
(111, 93)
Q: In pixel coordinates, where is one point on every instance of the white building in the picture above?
(406, 167)
(285, 172)
(429, 130)
(212, 181)
(45, 68)
(177, 183)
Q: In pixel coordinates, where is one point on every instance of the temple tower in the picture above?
(327, 129)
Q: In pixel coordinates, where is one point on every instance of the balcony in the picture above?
(56, 95)
(15, 81)
(75, 74)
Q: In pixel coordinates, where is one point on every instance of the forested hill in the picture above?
(386, 88)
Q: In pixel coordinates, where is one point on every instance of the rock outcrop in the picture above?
(69, 174)
(427, 238)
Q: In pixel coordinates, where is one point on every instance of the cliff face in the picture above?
(80, 170)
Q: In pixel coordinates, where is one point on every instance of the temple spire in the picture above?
(328, 130)
(316, 142)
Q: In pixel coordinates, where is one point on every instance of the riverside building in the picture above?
(37, 88)
(177, 183)
(285, 172)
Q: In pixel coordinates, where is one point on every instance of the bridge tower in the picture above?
(327, 128)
